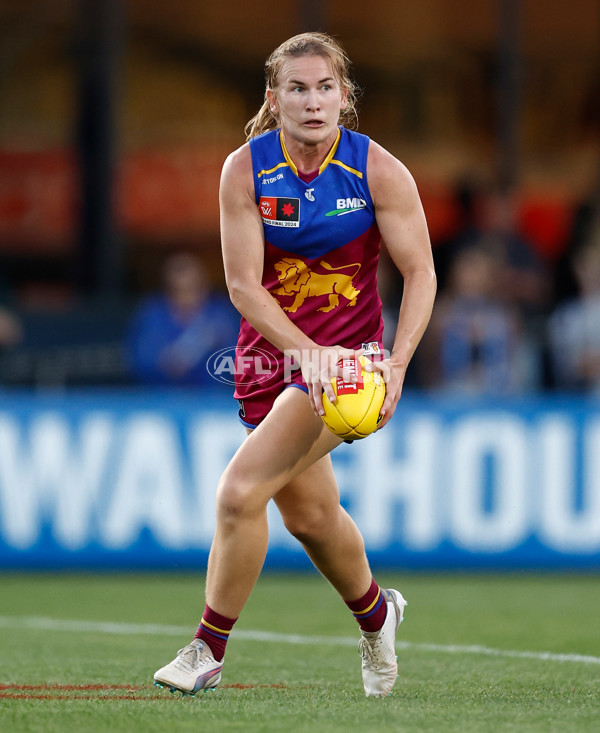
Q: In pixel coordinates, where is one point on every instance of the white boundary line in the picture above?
(41, 623)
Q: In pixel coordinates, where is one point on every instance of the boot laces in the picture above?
(368, 650)
(191, 657)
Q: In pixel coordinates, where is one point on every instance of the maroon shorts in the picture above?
(254, 408)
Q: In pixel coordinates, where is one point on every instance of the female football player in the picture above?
(304, 206)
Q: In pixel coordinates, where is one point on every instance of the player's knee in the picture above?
(236, 498)
(308, 525)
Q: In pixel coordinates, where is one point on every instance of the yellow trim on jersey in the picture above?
(331, 153)
(271, 170)
(324, 164)
(361, 613)
(347, 168)
(215, 628)
(286, 155)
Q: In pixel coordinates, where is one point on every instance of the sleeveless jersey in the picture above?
(321, 252)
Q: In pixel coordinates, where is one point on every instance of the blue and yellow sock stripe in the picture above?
(215, 630)
(371, 609)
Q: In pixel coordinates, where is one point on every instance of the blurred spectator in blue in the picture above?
(523, 278)
(473, 344)
(492, 214)
(526, 278)
(172, 334)
(574, 326)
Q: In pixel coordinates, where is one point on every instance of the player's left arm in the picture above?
(401, 221)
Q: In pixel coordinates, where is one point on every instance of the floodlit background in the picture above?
(115, 119)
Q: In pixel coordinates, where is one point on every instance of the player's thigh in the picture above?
(289, 440)
(309, 504)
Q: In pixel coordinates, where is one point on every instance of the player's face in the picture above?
(308, 100)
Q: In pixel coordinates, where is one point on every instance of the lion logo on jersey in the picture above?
(297, 279)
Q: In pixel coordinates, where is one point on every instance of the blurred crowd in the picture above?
(507, 319)
(172, 334)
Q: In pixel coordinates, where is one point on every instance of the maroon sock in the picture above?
(214, 630)
(370, 610)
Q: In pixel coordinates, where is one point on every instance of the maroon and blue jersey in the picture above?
(321, 253)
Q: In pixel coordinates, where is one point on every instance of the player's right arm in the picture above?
(242, 241)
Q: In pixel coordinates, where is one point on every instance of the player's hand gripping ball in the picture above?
(355, 413)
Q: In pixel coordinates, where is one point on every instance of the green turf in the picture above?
(302, 687)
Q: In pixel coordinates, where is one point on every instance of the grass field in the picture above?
(476, 653)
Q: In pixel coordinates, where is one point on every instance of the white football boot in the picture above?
(193, 669)
(378, 649)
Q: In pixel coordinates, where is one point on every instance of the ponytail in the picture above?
(263, 121)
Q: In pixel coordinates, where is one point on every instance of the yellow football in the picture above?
(355, 413)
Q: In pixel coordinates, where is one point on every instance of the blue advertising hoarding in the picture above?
(125, 479)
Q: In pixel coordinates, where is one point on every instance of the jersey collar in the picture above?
(323, 165)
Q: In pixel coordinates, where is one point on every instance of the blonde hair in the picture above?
(306, 44)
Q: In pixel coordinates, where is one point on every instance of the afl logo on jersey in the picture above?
(277, 211)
